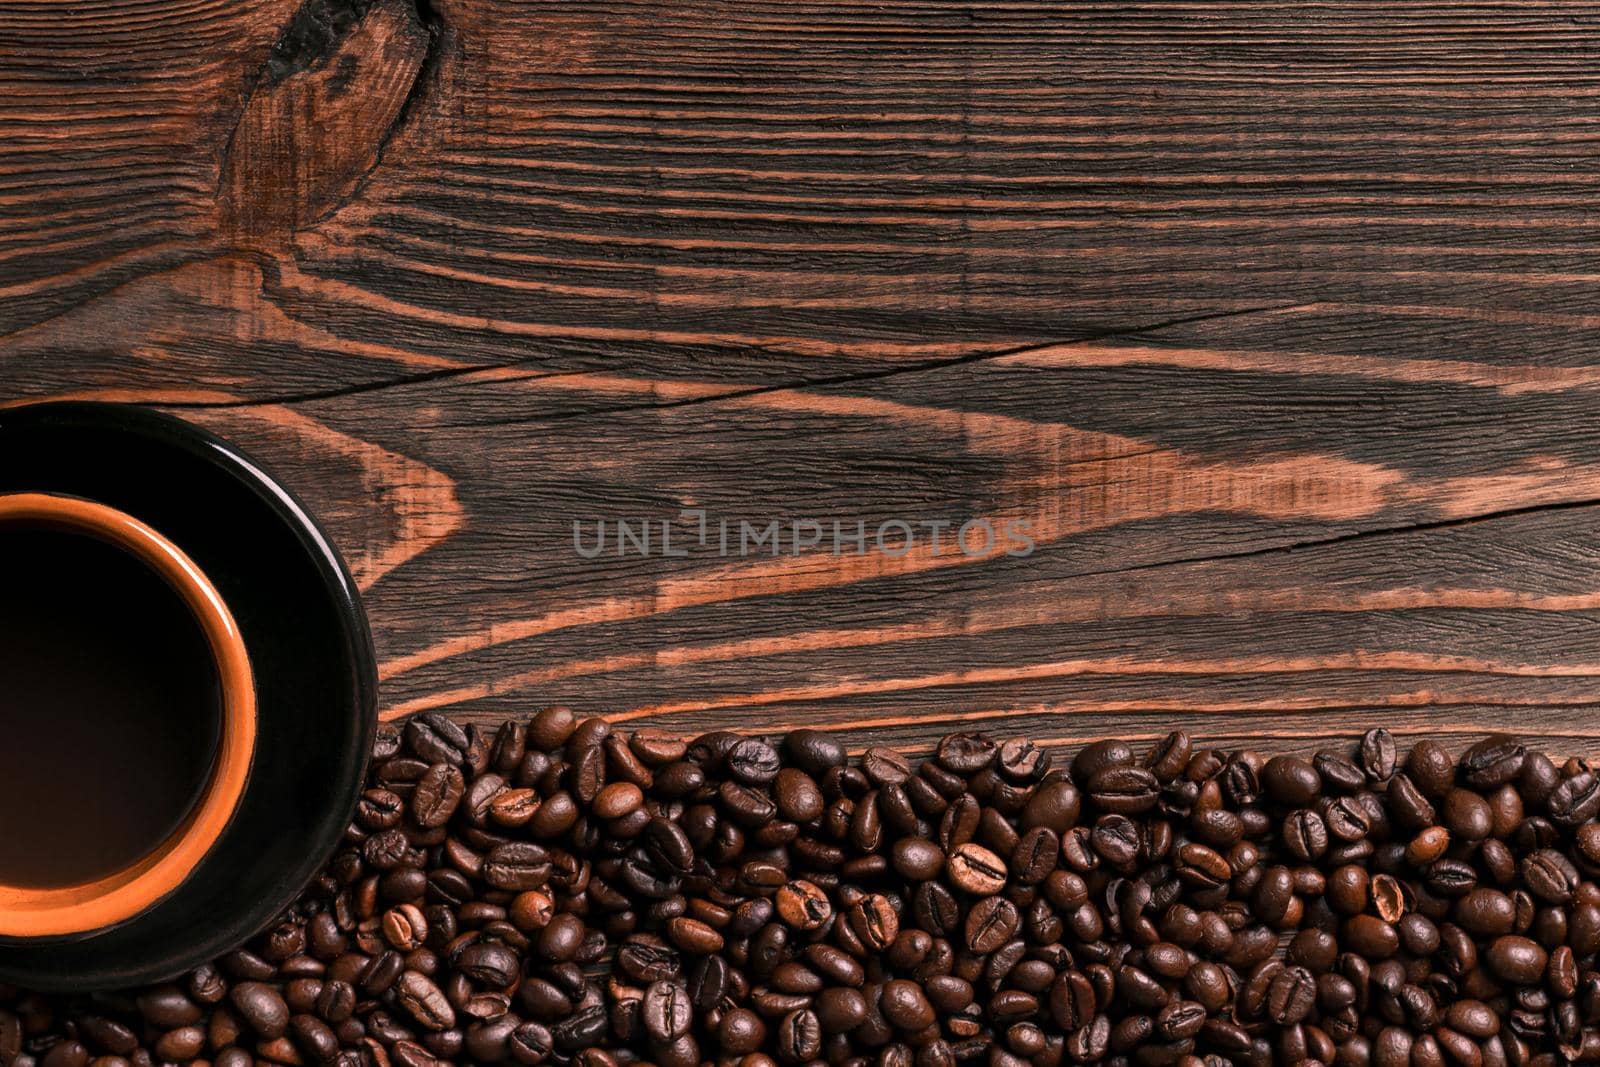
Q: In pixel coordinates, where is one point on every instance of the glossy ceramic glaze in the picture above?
(31, 912)
(299, 616)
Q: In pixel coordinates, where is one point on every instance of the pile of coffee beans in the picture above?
(558, 891)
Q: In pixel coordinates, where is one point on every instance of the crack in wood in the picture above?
(448, 373)
(1354, 535)
(358, 388)
(915, 368)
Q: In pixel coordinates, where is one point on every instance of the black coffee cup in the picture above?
(187, 696)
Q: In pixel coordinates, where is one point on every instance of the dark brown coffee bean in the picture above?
(1467, 815)
(1473, 1018)
(885, 766)
(1021, 760)
(1407, 804)
(174, 1046)
(437, 795)
(1550, 876)
(1290, 996)
(1493, 762)
(1371, 936)
(313, 1037)
(905, 1006)
(1056, 806)
(747, 806)
(1576, 800)
(667, 1011)
(435, 739)
(966, 753)
(753, 761)
(1517, 959)
(693, 936)
(517, 866)
(741, 1032)
(617, 800)
(1347, 819)
(554, 817)
(1486, 912)
(799, 1036)
(1035, 856)
(814, 751)
(797, 796)
(919, 859)
(773, 902)
(1305, 835)
(1291, 781)
(424, 1001)
(991, 922)
(1124, 789)
(262, 1008)
(1168, 757)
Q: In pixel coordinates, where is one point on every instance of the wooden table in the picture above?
(1275, 324)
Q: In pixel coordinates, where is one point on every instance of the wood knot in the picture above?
(332, 90)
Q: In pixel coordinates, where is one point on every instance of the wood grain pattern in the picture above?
(1273, 322)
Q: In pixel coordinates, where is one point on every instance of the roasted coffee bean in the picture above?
(814, 751)
(1057, 805)
(424, 1001)
(1493, 762)
(966, 753)
(517, 866)
(617, 800)
(1035, 856)
(667, 1011)
(1021, 760)
(1576, 800)
(873, 921)
(1124, 789)
(1377, 755)
(437, 796)
(772, 901)
(918, 859)
(803, 906)
(1550, 876)
(1290, 996)
(797, 795)
(753, 761)
(1169, 757)
(991, 922)
(974, 869)
(1517, 959)
(799, 1036)
(1371, 937)
(314, 1038)
(693, 936)
(1291, 781)
(905, 1005)
(1407, 805)
(1305, 835)
(1388, 898)
(262, 1008)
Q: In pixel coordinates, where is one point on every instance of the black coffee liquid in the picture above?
(110, 708)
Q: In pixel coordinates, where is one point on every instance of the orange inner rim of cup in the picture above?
(29, 911)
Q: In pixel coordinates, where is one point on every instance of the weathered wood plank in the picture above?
(1273, 323)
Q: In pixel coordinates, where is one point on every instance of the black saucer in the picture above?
(310, 650)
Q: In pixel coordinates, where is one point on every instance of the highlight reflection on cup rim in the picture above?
(36, 912)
